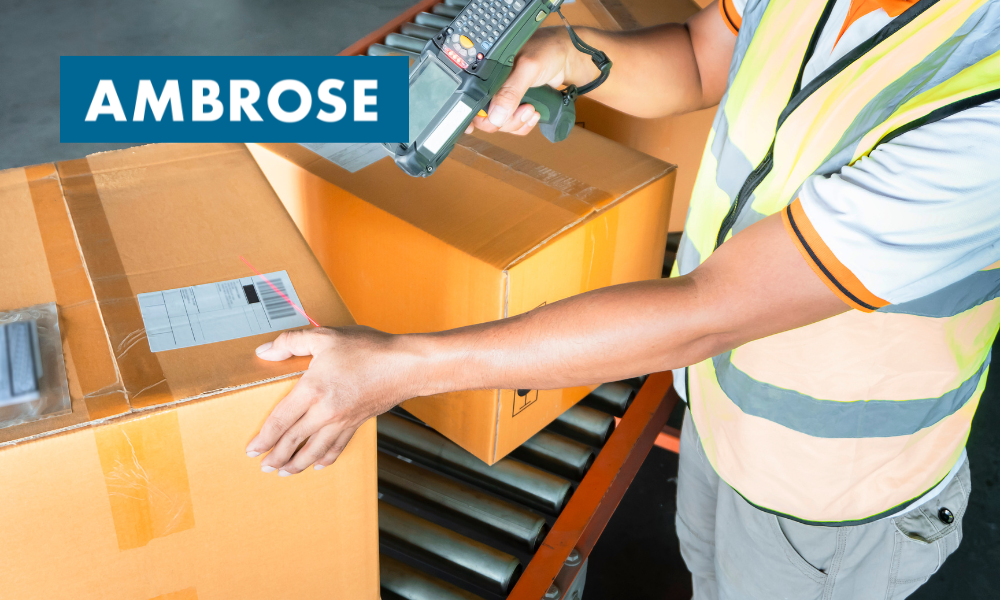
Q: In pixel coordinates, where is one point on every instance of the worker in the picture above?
(830, 314)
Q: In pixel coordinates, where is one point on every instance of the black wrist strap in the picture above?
(601, 60)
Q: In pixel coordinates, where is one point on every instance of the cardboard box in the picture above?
(144, 491)
(679, 140)
(505, 225)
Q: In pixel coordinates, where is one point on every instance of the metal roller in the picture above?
(446, 11)
(419, 31)
(404, 42)
(380, 50)
(400, 581)
(432, 20)
(584, 424)
(466, 558)
(521, 526)
(613, 398)
(636, 382)
(556, 453)
(510, 478)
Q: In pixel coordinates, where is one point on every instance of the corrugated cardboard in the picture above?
(505, 225)
(679, 140)
(144, 491)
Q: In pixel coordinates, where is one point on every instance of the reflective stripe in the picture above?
(915, 93)
(821, 480)
(835, 419)
(977, 289)
(804, 142)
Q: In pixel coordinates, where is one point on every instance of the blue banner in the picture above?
(151, 99)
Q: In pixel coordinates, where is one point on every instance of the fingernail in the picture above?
(526, 115)
(267, 469)
(283, 473)
(535, 118)
(318, 467)
(469, 129)
(252, 454)
(498, 115)
(263, 348)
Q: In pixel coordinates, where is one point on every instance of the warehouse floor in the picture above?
(637, 557)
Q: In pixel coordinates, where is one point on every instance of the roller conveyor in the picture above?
(449, 524)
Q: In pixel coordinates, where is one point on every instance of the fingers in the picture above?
(505, 103)
(289, 443)
(335, 450)
(314, 449)
(528, 126)
(327, 442)
(283, 417)
(306, 342)
(520, 123)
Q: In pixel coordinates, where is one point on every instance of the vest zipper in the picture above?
(756, 176)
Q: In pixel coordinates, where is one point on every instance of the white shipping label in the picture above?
(216, 312)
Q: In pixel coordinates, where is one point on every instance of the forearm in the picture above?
(605, 335)
(631, 329)
(655, 72)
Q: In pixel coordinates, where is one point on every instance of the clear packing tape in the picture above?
(32, 371)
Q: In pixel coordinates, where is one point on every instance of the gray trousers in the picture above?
(736, 551)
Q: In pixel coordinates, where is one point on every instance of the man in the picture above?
(832, 301)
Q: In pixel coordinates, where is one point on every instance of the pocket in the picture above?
(793, 555)
(924, 538)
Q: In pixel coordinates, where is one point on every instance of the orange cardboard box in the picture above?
(505, 225)
(143, 490)
(679, 140)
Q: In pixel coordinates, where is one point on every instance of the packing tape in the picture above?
(146, 477)
(139, 368)
(572, 195)
(104, 395)
(187, 594)
(621, 14)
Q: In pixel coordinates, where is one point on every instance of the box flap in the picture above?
(497, 197)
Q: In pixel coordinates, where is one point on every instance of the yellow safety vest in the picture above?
(852, 418)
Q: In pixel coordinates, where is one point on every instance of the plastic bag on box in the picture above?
(32, 371)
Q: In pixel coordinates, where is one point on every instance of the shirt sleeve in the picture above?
(920, 213)
(732, 13)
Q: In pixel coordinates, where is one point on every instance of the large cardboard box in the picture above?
(505, 225)
(143, 491)
(679, 140)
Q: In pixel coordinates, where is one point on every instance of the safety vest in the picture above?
(855, 417)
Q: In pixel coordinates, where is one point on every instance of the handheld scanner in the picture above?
(459, 71)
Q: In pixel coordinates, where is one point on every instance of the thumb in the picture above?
(525, 74)
(305, 342)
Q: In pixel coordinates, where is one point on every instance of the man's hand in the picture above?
(355, 374)
(658, 71)
(544, 60)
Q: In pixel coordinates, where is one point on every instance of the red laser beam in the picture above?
(277, 291)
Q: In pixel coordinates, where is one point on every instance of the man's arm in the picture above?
(755, 285)
(659, 71)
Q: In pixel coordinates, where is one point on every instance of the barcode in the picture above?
(275, 305)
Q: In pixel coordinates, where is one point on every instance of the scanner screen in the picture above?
(429, 90)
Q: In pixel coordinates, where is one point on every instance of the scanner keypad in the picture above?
(482, 22)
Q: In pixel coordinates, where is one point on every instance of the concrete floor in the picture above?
(637, 556)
